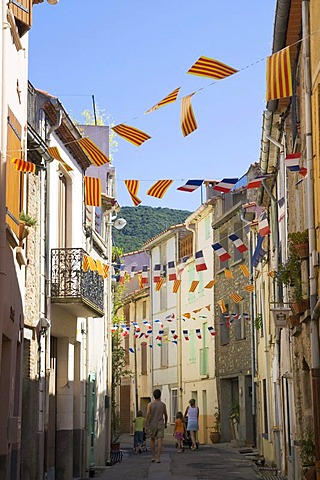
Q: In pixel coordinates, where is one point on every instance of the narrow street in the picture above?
(208, 462)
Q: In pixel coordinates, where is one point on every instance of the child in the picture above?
(138, 431)
(179, 431)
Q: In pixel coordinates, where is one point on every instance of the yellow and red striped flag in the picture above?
(193, 285)
(228, 273)
(249, 288)
(133, 187)
(222, 306)
(54, 153)
(159, 188)
(99, 267)
(96, 156)
(211, 284)
(132, 134)
(187, 119)
(105, 270)
(141, 285)
(197, 310)
(92, 264)
(279, 78)
(236, 297)
(172, 97)
(92, 191)
(208, 307)
(208, 67)
(24, 166)
(245, 270)
(176, 286)
(186, 315)
(272, 273)
(159, 284)
(85, 263)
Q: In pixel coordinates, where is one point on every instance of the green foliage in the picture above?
(258, 322)
(308, 450)
(298, 237)
(27, 219)
(234, 412)
(289, 273)
(216, 423)
(145, 222)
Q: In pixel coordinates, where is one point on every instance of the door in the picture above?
(91, 415)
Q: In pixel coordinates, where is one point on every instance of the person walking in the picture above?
(156, 422)
(139, 422)
(179, 431)
(192, 412)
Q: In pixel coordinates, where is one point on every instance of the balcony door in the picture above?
(62, 211)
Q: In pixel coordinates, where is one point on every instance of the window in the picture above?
(164, 348)
(224, 328)
(223, 240)
(238, 231)
(239, 325)
(62, 211)
(144, 369)
(204, 361)
(174, 404)
(186, 246)
(192, 341)
(265, 408)
(144, 309)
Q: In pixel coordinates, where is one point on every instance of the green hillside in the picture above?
(144, 223)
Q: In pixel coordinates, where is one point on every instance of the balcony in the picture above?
(78, 292)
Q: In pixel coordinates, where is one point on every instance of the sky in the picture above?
(130, 54)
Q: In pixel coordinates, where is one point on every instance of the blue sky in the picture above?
(130, 54)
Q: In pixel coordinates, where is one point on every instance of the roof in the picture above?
(180, 228)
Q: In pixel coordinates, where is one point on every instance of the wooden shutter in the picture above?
(14, 179)
(22, 10)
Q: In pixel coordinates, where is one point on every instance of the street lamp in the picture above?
(118, 224)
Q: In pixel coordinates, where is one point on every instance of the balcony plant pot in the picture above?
(215, 437)
(299, 306)
(310, 474)
(293, 321)
(302, 249)
(23, 232)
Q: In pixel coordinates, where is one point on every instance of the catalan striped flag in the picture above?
(159, 188)
(193, 286)
(140, 281)
(92, 191)
(238, 243)
(55, 153)
(279, 78)
(172, 274)
(187, 119)
(24, 166)
(92, 264)
(105, 270)
(186, 315)
(176, 286)
(200, 263)
(222, 306)
(225, 185)
(208, 67)
(272, 274)
(190, 186)
(144, 274)
(221, 252)
(210, 284)
(228, 274)
(245, 270)
(249, 288)
(157, 272)
(172, 97)
(132, 134)
(99, 267)
(85, 263)
(96, 156)
(159, 284)
(133, 187)
(236, 297)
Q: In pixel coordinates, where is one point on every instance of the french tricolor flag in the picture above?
(190, 186)
(200, 263)
(225, 185)
(238, 243)
(212, 331)
(157, 273)
(292, 161)
(172, 271)
(198, 333)
(186, 334)
(221, 252)
(281, 209)
(256, 182)
(264, 228)
(122, 274)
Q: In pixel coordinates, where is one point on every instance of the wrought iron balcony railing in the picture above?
(80, 292)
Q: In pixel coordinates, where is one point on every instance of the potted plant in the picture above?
(234, 415)
(215, 435)
(300, 242)
(308, 455)
(25, 221)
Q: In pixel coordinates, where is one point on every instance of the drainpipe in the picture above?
(178, 321)
(314, 330)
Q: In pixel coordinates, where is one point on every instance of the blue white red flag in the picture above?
(221, 252)
(172, 274)
(190, 186)
(264, 228)
(157, 273)
(200, 263)
(281, 209)
(292, 162)
(225, 185)
(238, 243)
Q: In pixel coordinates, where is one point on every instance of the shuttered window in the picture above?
(22, 11)
(14, 179)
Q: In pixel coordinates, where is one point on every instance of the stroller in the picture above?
(186, 441)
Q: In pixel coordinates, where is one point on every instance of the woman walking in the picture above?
(192, 412)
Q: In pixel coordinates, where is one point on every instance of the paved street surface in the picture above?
(208, 462)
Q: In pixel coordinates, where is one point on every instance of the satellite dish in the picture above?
(120, 223)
